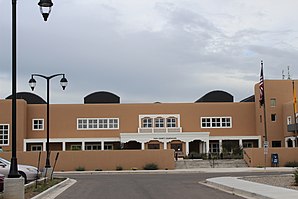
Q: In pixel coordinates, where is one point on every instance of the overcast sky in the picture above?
(150, 50)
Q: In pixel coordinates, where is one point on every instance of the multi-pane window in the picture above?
(36, 147)
(4, 132)
(76, 147)
(98, 123)
(171, 122)
(113, 123)
(159, 122)
(147, 123)
(216, 122)
(92, 147)
(38, 124)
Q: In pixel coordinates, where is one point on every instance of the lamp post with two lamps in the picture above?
(63, 83)
(45, 8)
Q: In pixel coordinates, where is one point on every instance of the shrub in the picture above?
(80, 168)
(98, 169)
(291, 164)
(296, 176)
(134, 168)
(151, 166)
(119, 168)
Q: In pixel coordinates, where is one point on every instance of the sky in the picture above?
(149, 50)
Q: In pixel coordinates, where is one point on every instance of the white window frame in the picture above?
(171, 122)
(273, 102)
(289, 120)
(39, 125)
(216, 122)
(4, 133)
(147, 122)
(97, 123)
(159, 122)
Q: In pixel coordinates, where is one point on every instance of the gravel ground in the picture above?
(286, 181)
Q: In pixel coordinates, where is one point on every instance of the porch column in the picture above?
(44, 146)
(63, 146)
(293, 142)
(83, 146)
(165, 145)
(143, 145)
(207, 146)
(187, 148)
(240, 143)
(102, 145)
(220, 146)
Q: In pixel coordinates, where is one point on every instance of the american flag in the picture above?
(261, 86)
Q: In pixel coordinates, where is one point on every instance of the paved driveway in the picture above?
(143, 186)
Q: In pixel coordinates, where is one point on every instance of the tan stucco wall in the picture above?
(255, 156)
(64, 118)
(105, 160)
(282, 91)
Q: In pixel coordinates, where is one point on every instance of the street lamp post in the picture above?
(63, 83)
(44, 4)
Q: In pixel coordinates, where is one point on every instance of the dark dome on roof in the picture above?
(216, 96)
(30, 98)
(101, 97)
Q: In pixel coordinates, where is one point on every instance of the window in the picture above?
(108, 147)
(4, 132)
(214, 147)
(216, 122)
(113, 123)
(37, 124)
(153, 146)
(36, 147)
(93, 123)
(92, 147)
(276, 143)
(171, 122)
(75, 147)
(98, 123)
(273, 102)
(103, 123)
(289, 120)
(147, 123)
(273, 117)
(159, 122)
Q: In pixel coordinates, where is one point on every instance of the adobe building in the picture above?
(103, 123)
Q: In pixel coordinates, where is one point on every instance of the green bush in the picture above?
(291, 164)
(151, 166)
(119, 168)
(80, 168)
(296, 176)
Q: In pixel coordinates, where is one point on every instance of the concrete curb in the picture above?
(54, 191)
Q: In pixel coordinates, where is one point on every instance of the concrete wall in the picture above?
(255, 157)
(105, 160)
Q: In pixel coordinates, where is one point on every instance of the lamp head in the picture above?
(45, 8)
(63, 82)
(32, 83)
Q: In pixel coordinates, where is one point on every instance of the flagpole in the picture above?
(263, 102)
(295, 110)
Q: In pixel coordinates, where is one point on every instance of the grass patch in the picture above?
(32, 191)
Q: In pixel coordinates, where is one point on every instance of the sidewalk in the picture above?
(251, 189)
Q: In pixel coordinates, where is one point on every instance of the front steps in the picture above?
(216, 163)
